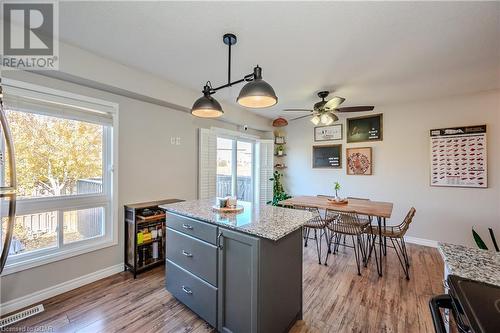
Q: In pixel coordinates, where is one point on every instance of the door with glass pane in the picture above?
(235, 168)
(244, 170)
(224, 167)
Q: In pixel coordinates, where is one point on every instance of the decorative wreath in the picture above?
(358, 163)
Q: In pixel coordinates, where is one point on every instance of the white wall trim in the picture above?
(58, 289)
(422, 241)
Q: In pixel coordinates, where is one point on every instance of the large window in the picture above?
(64, 153)
(235, 168)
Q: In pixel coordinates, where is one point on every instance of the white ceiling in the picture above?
(368, 52)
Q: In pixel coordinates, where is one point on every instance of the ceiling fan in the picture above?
(324, 111)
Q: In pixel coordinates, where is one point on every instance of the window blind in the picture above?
(265, 153)
(26, 99)
(207, 165)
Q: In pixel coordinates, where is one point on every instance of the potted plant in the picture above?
(279, 193)
(337, 188)
(280, 150)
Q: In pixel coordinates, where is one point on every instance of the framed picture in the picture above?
(328, 133)
(359, 161)
(459, 156)
(363, 129)
(279, 140)
(327, 156)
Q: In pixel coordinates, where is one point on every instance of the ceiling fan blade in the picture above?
(298, 110)
(334, 103)
(300, 117)
(355, 108)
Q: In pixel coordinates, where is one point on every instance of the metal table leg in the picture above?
(380, 241)
(385, 240)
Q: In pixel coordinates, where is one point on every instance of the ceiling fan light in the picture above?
(207, 107)
(326, 119)
(315, 120)
(258, 93)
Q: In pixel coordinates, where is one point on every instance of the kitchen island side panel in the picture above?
(280, 291)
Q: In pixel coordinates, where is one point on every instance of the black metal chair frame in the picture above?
(398, 243)
(321, 231)
(349, 225)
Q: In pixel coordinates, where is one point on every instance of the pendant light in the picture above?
(206, 106)
(256, 93)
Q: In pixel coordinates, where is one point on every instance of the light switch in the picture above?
(172, 140)
(178, 141)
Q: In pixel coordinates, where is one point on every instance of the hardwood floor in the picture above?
(336, 299)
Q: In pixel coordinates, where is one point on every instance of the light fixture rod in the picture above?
(230, 40)
(229, 65)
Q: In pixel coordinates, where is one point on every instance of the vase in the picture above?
(337, 198)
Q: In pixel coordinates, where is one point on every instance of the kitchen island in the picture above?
(241, 272)
(471, 263)
(471, 281)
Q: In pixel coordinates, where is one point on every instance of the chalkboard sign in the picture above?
(363, 129)
(327, 156)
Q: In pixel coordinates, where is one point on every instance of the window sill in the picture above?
(48, 258)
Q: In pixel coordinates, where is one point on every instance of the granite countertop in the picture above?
(471, 263)
(263, 221)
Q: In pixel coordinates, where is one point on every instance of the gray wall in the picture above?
(150, 168)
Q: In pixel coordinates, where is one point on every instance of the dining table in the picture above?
(373, 209)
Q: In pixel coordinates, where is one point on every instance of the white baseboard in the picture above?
(421, 241)
(43, 294)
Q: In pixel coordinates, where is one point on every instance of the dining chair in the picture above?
(363, 220)
(348, 224)
(396, 235)
(318, 225)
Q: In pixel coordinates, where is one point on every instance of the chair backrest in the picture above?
(408, 219)
(309, 209)
(346, 222)
(349, 217)
(358, 198)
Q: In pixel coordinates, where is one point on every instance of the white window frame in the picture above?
(107, 199)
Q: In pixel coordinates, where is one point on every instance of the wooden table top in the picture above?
(362, 207)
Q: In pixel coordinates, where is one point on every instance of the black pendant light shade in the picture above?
(206, 106)
(257, 93)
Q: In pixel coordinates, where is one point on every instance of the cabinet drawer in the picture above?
(192, 227)
(194, 255)
(195, 293)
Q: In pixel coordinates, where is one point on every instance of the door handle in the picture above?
(219, 243)
(187, 290)
(187, 254)
(437, 302)
(187, 226)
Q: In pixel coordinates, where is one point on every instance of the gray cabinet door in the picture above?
(238, 280)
